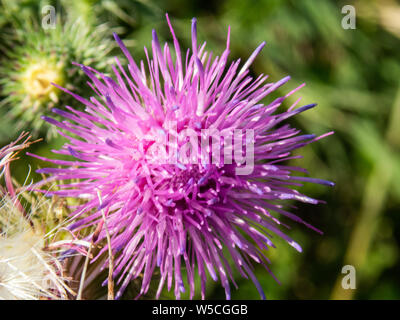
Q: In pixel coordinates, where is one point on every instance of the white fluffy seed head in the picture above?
(27, 271)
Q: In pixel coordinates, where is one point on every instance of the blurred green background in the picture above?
(353, 75)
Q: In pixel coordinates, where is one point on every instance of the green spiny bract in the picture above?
(39, 57)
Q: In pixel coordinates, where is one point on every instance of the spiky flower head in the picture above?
(38, 57)
(167, 214)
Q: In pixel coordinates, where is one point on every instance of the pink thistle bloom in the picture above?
(181, 211)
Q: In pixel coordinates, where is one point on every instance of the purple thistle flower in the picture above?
(170, 215)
